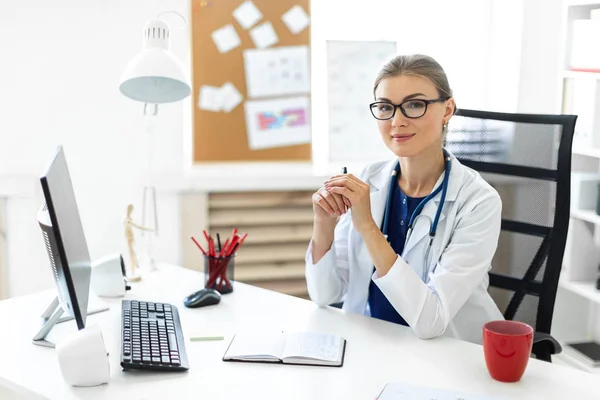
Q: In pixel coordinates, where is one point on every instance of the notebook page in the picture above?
(256, 346)
(313, 345)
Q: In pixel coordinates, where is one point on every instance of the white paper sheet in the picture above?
(401, 391)
(210, 98)
(277, 123)
(230, 97)
(226, 38)
(264, 35)
(296, 19)
(247, 14)
(351, 70)
(276, 72)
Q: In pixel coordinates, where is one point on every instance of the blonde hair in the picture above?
(416, 65)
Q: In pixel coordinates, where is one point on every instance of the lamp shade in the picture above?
(155, 75)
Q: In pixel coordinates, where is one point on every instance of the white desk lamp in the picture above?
(154, 76)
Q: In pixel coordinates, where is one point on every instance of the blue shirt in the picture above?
(400, 212)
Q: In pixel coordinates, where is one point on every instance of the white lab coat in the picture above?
(454, 300)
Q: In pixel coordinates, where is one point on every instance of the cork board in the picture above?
(221, 136)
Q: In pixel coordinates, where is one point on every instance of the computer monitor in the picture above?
(66, 245)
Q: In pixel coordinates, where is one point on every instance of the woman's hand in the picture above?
(358, 192)
(328, 206)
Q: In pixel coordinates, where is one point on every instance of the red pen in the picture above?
(244, 236)
(235, 240)
(224, 261)
(234, 249)
(212, 247)
(224, 248)
(198, 244)
(224, 255)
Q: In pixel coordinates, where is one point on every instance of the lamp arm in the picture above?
(172, 12)
(153, 108)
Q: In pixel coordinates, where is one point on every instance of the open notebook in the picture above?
(288, 348)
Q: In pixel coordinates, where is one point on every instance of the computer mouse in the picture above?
(201, 298)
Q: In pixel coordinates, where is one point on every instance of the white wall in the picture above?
(477, 42)
(542, 44)
(60, 86)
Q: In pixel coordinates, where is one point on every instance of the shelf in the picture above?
(269, 254)
(580, 74)
(586, 151)
(586, 215)
(263, 217)
(571, 3)
(584, 289)
(251, 200)
(267, 272)
(279, 234)
(571, 360)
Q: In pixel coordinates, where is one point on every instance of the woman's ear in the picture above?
(449, 111)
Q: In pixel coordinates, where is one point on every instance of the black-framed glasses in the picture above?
(414, 108)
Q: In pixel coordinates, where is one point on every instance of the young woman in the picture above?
(409, 240)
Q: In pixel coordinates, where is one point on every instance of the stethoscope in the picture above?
(416, 213)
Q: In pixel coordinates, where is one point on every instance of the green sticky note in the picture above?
(205, 338)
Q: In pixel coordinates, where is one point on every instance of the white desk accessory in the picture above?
(108, 276)
(83, 358)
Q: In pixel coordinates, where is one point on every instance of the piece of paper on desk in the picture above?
(296, 19)
(247, 14)
(226, 38)
(277, 72)
(401, 391)
(210, 98)
(277, 123)
(264, 35)
(230, 97)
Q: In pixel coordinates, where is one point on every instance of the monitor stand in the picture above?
(52, 316)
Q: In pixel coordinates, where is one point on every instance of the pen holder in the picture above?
(218, 273)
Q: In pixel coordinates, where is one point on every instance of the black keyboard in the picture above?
(152, 337)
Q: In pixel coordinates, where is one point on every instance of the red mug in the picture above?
(507, 348)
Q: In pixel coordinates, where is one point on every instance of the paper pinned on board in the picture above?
(264, 35)
(351, 68)
(210, 98)
(230, 97)
(276, 72)
(216, 99)
(277, 123)
(226, 38)
(296, 19)
(247, 14)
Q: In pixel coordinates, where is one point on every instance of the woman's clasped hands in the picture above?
(339, 194)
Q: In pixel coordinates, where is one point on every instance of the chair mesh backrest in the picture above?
(527, 159)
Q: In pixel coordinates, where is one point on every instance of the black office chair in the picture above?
(527, 158)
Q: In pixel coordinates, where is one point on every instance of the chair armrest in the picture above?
(547, 339)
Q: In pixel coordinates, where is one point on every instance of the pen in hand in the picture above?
(345, 171)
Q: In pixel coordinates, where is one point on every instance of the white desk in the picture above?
(377, 352)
